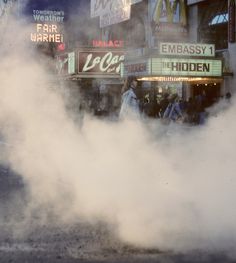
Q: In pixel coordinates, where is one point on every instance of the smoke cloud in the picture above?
(168, 187)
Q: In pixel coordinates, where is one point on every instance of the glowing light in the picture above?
(46, 33)
(177, 79)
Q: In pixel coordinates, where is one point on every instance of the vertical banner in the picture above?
(231, 24)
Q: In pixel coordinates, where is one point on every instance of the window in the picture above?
(219, 19)
(213, 23)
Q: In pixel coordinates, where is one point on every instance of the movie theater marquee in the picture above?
(186, 67)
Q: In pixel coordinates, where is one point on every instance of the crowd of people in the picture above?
(170, 108)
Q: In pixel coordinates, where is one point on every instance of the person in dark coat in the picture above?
(163, 104)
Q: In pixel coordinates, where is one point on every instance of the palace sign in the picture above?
(187, 49)
(109, 43)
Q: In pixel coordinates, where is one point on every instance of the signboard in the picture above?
(135, 1)
(186, 67)
(41, 16)
(100, 62)
(46, 33)
(65, 64)
(112, 11)
(138, 68)
(109, 43)
(6, 8)
(168, 18)
(187, 49)
(115, 17)
(102, 7)
(191, 2)
(47, 26)
(231, 24)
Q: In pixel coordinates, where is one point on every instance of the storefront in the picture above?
(182, 68)
(97, 73)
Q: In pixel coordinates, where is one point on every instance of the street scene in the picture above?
(117, 132)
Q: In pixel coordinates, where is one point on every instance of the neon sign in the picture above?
(110, 43)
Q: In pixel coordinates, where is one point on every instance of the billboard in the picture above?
(47, 26)
(111, 11)
(168, 18)
(102, 7)
(115, 17)
(97, 62)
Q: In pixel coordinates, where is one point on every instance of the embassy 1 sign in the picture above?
(187, 49)
(99, 62)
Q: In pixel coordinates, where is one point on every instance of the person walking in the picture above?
(173, 111)
(129, 100)
(163, 104)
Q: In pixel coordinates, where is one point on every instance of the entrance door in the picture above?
(212, 91)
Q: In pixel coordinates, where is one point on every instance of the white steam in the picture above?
(165, 187)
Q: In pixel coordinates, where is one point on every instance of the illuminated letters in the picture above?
(106, 63)
(46, 33)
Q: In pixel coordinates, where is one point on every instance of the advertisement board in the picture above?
(139, 68)
(41, 16)
(46, 32)
(101, 7)
(114, 17)
(168, 18)
(47, 26)
(186, 67)
(97, 62)
(112, 11)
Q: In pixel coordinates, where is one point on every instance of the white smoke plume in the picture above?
(164, 187)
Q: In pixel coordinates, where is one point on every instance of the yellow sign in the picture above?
(170, 11)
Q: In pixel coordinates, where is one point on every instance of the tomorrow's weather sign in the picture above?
(47, 27)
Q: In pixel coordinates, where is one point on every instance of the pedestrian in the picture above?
(164, 104)
(228, 96)
(129, 101)
(173, 111)
(201, 102)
